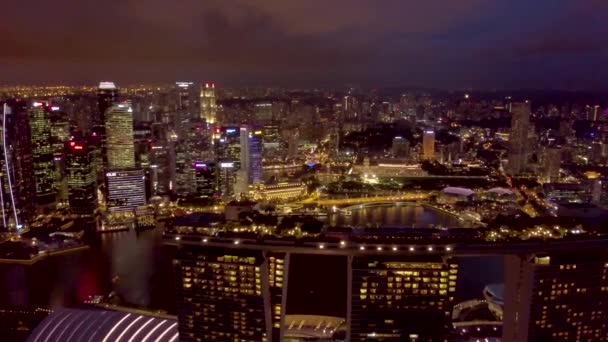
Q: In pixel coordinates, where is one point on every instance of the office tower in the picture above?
(208, 103)
(560, 296)
(125, 189)
(107, 95)
(205, 179)
(230, 294)
(263, 113)
(17, 182)
(400, 147)
(251, 153)
(60, 133)
(428, 145)
(293, 142)
(392, 297)
(81, 176)
(193, 146)
(160, 175)
(119, 136)
(188, 103)
(552, 163)
(42, 152)
(228, 152)
(518, 139)
(271, 137)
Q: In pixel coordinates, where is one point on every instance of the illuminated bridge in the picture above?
(368, 200)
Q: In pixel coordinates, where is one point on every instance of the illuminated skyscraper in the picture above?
(42, 152)
(400, 147)
(556, 297)
(188, 103)
(228, 152)
(119, 136)
(17, 182)
(552, 162)
(208, 103)
(392, 296)
(428, 145)
(251, 153)
(126, 190)
(230, 295)
(107, 95)
(518, 139)
(81, 177)
(193, 146)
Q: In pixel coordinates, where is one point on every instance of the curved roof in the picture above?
(104, 326)
(495, 293)
(501, 191)
(452, 190)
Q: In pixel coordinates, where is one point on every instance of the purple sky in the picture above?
(433, 43)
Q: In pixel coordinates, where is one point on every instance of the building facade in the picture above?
(120, 146)
(559, 296)
(81, 177)
(518, 138)
(17, 181)
(42, 152)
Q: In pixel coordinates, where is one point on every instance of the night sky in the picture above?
(560, 44)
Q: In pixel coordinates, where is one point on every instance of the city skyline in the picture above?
(478, 44)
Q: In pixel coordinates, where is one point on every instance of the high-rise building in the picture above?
(251, 153)
(263, 113)
(81, 176)
(126, 190)
(400, 147)
(428, 145)
(208, 103)
(188, 103)
(42, 152)
(518, 139)
(205, 178)
(560, 296)
(193, 146)
(228, 153)
(552, 163)
(17, 182)
(119, 136)
(107, 95)
(60, 133)
(392, 296)
(230, 295)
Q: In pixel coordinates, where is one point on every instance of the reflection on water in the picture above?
(135, 265)
(398, 214)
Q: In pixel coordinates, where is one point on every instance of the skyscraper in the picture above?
(400, 147)
(208, 103)
(560, 296)
(17, 182)
(193, 146)
(428, 145)
(126, 190)
(81, 177)
(119, 136)
(251, 153)
(552, 163)
(188, 103)
(228, 152)
(107, 95)
(42, 151)
(518, 139)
